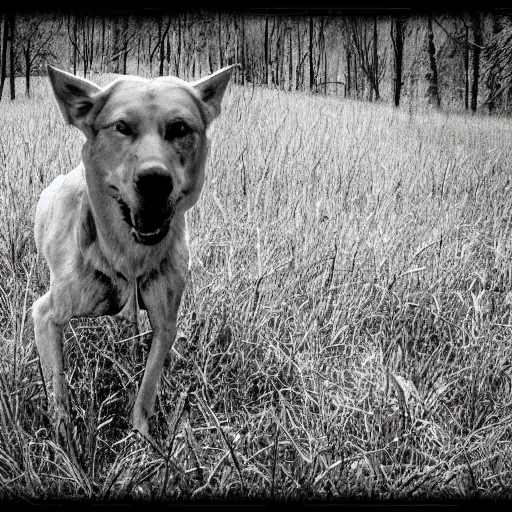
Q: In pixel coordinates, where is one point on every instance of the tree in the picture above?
(5, 42)
(279, 55)
(301, 58)
(162, 34)
(366, 47)
(73, 38)
(163, 28)
(221, 59)
(12, 60)
(266, 50)
(491, 75)
(432, 76)
(322, 56)
(466, 66)
(348, 46)
(242, 54)
(103, 51)
(397, 38)
(34, 37)
(289, 30)
(476, 22)
(311, 71)
(88, 38)
(127, 37)
(497, 56)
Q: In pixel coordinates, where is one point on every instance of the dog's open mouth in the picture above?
(139, 230)
(153, 237)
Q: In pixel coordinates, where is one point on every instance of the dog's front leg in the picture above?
(162, 297)
(48, 337)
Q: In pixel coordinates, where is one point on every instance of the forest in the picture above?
(456, 61)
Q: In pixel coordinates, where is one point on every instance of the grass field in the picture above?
(346, 330)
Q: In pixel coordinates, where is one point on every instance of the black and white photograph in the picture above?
(255, 254)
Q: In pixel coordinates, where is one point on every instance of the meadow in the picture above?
(345, 333)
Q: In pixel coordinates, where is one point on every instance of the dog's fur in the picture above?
(113, 230)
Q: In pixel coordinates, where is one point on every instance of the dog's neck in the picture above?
(107, 244)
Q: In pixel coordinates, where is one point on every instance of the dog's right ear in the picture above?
(75, 96)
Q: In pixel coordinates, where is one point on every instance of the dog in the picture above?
(113, 230)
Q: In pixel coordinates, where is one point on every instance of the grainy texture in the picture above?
(344, 333)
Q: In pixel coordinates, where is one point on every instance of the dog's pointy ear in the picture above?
(75, 96)
(211, 89)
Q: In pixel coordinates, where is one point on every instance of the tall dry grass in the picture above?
(346, 328)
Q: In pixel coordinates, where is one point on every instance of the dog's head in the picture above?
(146, 143)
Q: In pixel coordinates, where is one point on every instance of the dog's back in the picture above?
(57, 211)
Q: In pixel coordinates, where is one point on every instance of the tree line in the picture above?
(456, 61)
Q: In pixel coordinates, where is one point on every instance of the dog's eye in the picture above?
(123, 128)
(176, 130)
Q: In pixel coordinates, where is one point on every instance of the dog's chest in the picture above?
(116, 294)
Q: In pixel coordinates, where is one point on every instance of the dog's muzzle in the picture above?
(149, 224)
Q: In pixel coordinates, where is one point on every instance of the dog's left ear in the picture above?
(211, 89)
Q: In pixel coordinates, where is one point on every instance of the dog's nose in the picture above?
(153, 180)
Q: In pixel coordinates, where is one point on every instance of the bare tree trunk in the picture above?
(311, 71)
(102, 59)
(266, 51)
(116, 46)
(280, 60)
(26, 53)
(356, 81)
(138, 51)
(162, 55)
(162, 34)
(272, 58)
(337, 73)
(85, 48)
(12, 24)
(242, 57)
(5, 40)
(194, 63)
(397, 37)
(150, 52)
(277, 56)
(299, 58)
(492, 82)
(242, 54)
(237, 49)
(92, 39)
(478, 42)
(178, 49)
(325, 70)
(433, 90)
(210, 60)
(348, 80)
(168, 53)
(321, 54)
(126, 22)
(324, 47)
(75, 43)
(160, 59)
(221, 59)
(290, 62)
(466, 69)
(376, 71)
